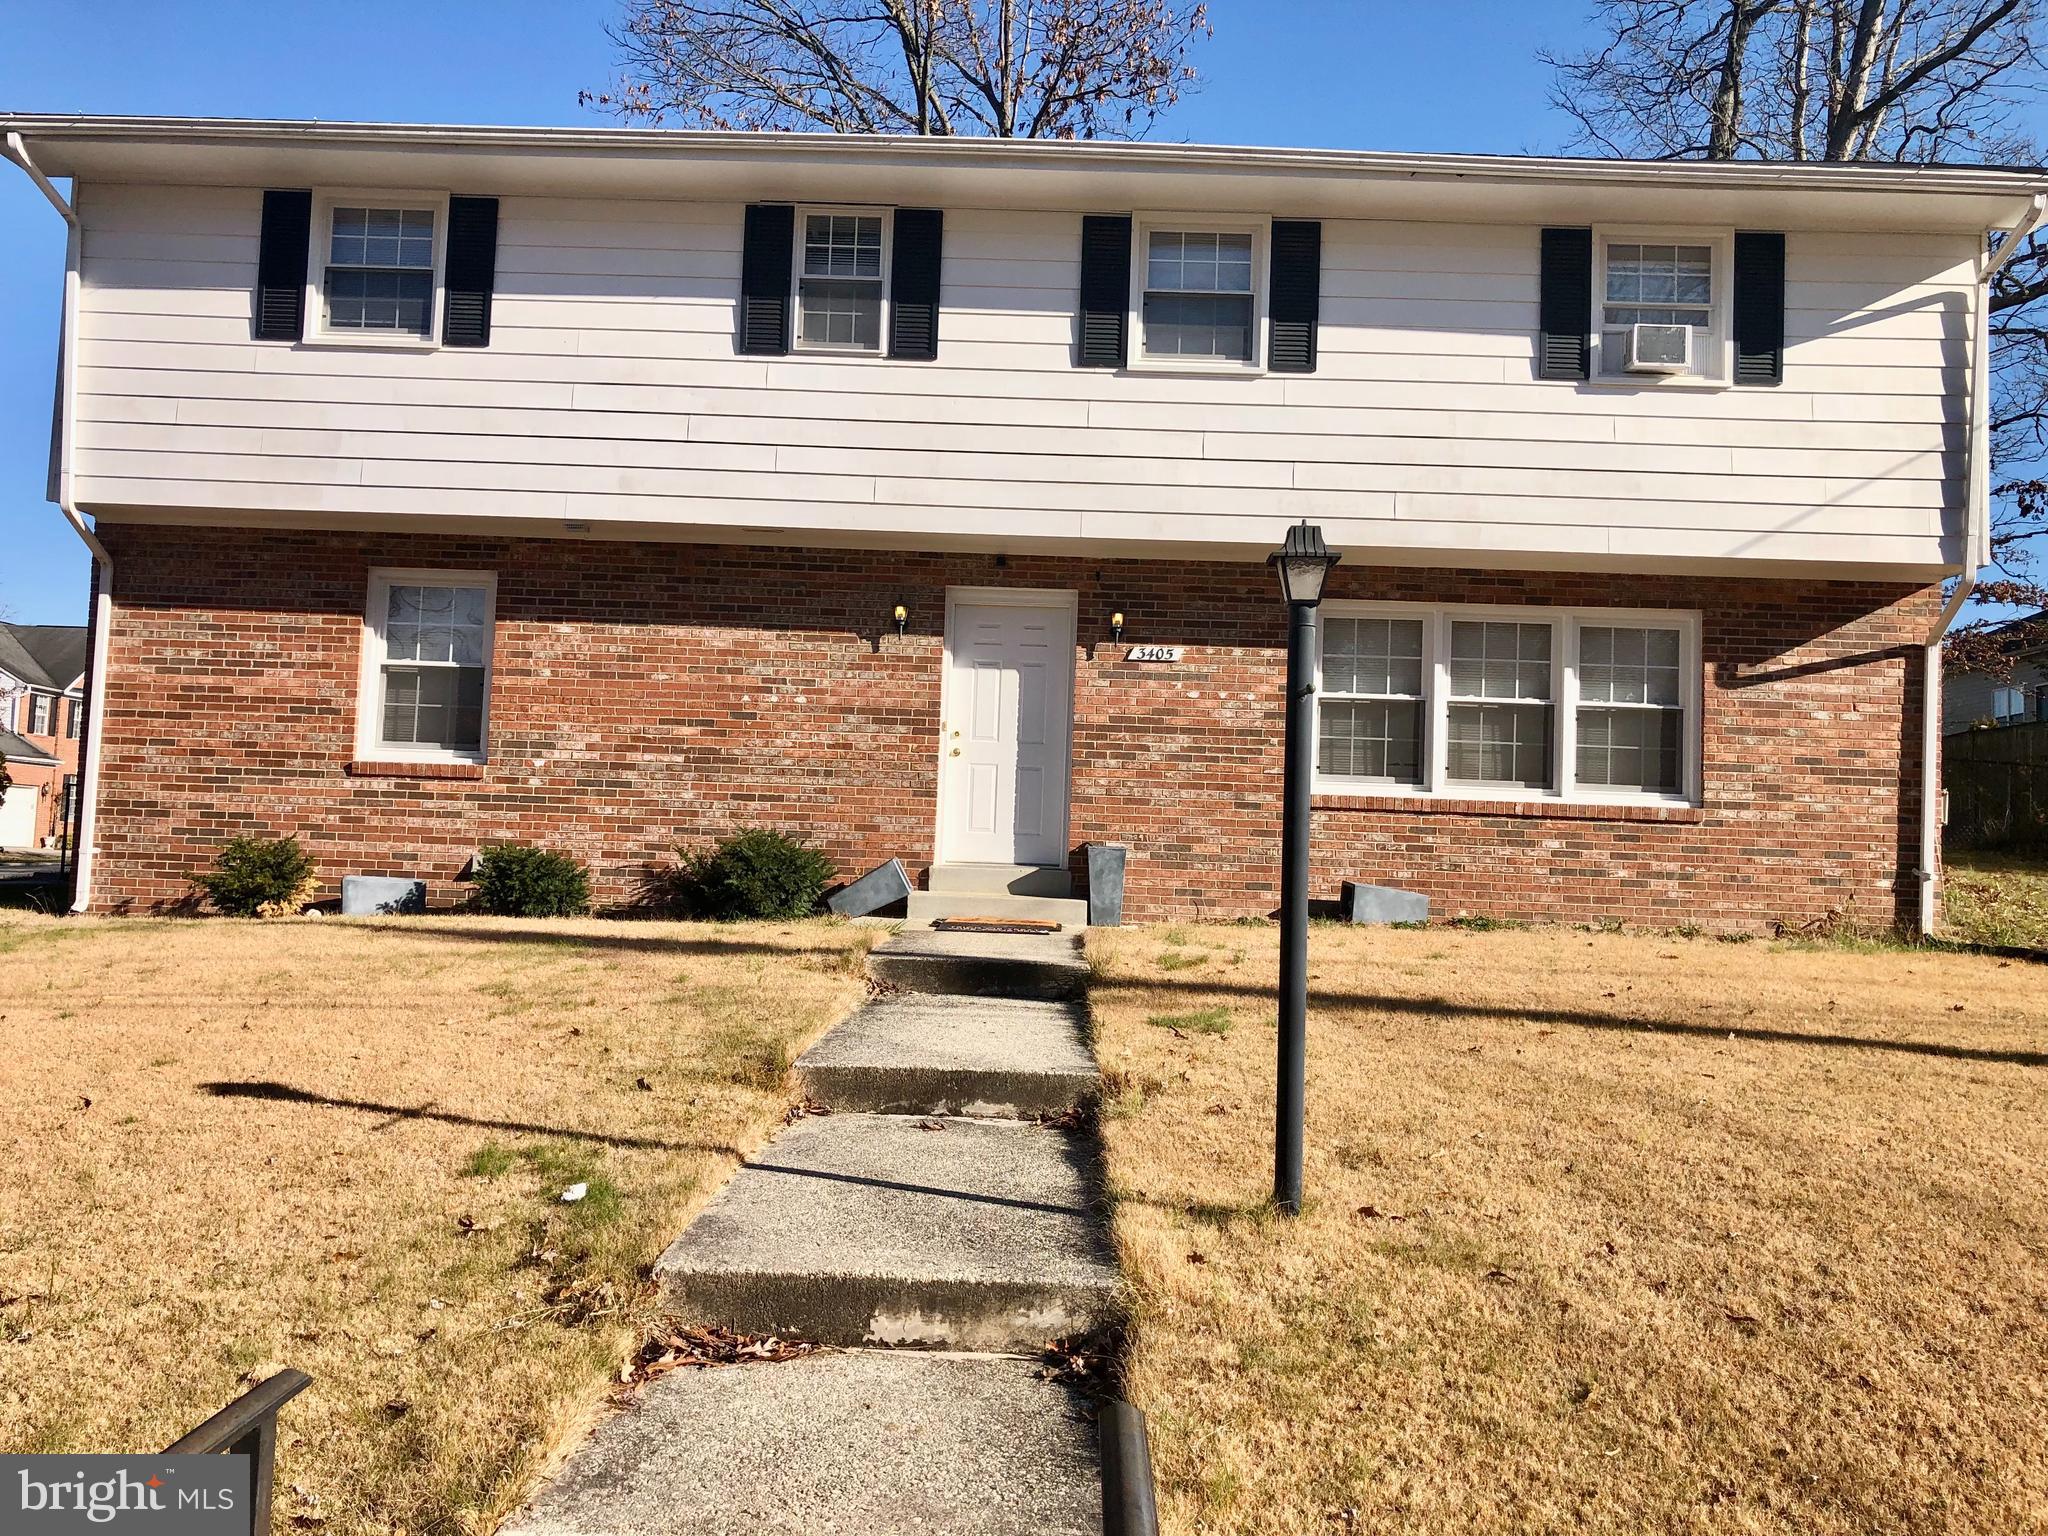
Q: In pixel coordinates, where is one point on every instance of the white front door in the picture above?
(1009, 714)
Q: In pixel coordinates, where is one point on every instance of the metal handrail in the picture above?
(248, 1427)
(1130, 1506)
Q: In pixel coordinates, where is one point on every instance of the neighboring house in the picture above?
(564, 484)
(42, 710)
(1973, 700)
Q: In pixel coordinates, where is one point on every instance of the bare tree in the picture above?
(1035, 69)
(1902, 81)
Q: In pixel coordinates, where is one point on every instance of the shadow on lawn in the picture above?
(543, 938)
(284, 1093)
(1437, 1008)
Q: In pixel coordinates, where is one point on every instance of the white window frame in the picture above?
(1721, 243)
(1143, 227)
(370, 746)
(38, 700)
(804, 213)
(320, 246)
(1565, 624)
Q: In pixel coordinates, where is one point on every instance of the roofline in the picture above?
(1731, 175)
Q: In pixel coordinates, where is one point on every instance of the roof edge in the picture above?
(1734, 175)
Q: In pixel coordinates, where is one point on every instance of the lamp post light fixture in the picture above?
(902, 618)
(1304, 563)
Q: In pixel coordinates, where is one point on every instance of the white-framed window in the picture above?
(842, 279)
(74, 711)
(427, 666)
(42, 714)
(2008, 704)
(1472, 701)
(1662, 278)
(375, 271)
(1198, 293)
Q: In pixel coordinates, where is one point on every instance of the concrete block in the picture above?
(1383, 904)
(886, 1229)
(871, 1441)
(882, 886)
(983, 964)
(1106, 884)
(923, 1055)
(381, 895)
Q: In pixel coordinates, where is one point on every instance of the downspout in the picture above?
(103, 604)
(1976, 555)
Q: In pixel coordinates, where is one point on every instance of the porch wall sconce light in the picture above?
(902, 617)
(1116, 626)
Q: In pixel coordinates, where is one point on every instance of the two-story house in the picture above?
(1973, 700)
(42, 709)
(611, 489)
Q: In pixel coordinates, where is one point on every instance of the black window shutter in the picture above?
(1297, 295)
(471, 272)
(1564, 349)
(281, 265)
(1759, 308)
(764, 279)
(1105, 289)
(914, 284)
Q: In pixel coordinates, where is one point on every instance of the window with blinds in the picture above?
(1480, 702)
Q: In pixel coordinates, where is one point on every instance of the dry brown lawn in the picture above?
(234, 1146)
(1606, 1233)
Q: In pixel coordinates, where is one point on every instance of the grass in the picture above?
(342, 1146)
(1996, 898)
(1605, 1233)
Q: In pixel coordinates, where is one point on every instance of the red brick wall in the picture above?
(648, 694)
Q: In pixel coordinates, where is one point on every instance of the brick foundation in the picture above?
(650, 694)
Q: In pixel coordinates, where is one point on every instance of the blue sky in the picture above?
(1371, 74)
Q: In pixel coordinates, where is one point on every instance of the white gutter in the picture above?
(977, 151)
(1976, 555)
(103, 606)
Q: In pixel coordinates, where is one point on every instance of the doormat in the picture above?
(994, 925)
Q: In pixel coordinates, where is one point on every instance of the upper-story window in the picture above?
(1586, 704)
(42, 713)
(427, 665)
(1661, 304)
(1198, 296)
(377, 265)
(73, 710)
(841, 279)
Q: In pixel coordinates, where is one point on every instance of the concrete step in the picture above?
(919, 1055)
(871, 1229)
(924, 906)
(1000, 879)
(874, 1442)
(1042, 965)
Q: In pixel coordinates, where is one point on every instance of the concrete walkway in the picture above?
(936, 1207)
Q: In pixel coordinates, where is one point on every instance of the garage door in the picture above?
(18, 817)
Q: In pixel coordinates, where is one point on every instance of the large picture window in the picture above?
(1478, 702)
(428, 665)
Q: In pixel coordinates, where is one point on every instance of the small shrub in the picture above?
(755, 873)
(516, 880)
(260, 877)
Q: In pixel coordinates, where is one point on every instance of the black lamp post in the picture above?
(1304, 564)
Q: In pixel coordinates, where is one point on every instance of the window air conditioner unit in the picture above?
(1659, 348)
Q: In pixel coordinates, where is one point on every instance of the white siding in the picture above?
(611, 390)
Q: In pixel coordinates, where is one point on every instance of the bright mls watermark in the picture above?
(124, 1495)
